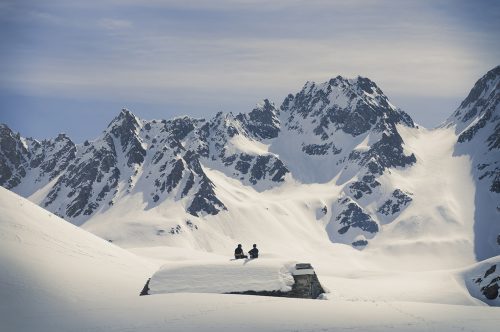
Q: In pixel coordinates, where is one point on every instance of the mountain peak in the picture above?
(62, 137)
(338, 80)
(265, 104)
(482, 98)
(125, 116)
(262, 121)
(484, 86)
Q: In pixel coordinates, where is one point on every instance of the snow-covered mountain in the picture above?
(477, 124)
(335, 162)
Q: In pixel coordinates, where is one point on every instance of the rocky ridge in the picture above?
(343, 131)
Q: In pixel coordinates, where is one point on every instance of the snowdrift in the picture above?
(51, 269)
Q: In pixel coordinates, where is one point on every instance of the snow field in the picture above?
(58, 277)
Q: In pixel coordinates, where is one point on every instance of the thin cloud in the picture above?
(114, 24)
(230, 53)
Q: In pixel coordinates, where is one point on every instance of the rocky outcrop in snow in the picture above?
(483, 281)
(28, 164)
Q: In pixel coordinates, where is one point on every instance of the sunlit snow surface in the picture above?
(223, 276)
(57, 277)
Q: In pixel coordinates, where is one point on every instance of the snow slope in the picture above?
(336, 163)
(57, 277)
(434, 232)
(51, 269)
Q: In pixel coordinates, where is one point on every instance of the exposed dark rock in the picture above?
(395, 204)
(145, 289)
(81, 175)
(205, 199)
(188, 186)
(495, 184)
(262, 122)
(475, 102)
(491, 270)
(175, 230)
(53, 157)
(386, 153)
(470, 133)
(13, 155)
(353, 216)
(489, 283)
(174, 177)
(229, 160)
(317, 149)
(191, 225)
(360, 243)
(263, 167)
(243, 166)
(491, 291)
(494, 139)
(179, 128)
(366, 106)
(358, 188)
(45, 160)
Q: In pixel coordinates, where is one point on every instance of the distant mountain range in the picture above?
(342, 138)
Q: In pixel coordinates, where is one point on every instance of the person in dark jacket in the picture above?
(238, 252)
(254, 253)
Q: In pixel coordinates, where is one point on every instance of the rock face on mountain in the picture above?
(344, 128)
(28, 164)
(477, 120)
(13, 154)
(342, 133)
(347, 123)
(477, 125)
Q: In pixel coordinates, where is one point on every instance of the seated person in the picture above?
(254, 253)
(238, 252)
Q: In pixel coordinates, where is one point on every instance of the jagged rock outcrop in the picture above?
(396, 203)
(262, 122)
(13, 158)
(489, 284)
(477, 122)
(39, 162)
(348, 125)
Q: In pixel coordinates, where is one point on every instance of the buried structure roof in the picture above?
(267, 277)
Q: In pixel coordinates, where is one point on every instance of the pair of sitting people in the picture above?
(238, 252)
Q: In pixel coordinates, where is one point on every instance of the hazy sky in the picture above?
(70, 66)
